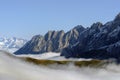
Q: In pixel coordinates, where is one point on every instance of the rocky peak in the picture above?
(52, 34)
(117, 18)
(101, 42)
(76, 30)
(78, 27)
(62, 32)
(79, 41)
(36, 37)
(96, 25)
(48, 35)
(52, 41)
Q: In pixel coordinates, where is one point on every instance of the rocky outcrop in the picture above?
(52, 41)
(100, 42)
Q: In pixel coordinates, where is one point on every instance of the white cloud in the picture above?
(14, 69)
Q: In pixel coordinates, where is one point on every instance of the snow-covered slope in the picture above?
(11, 44)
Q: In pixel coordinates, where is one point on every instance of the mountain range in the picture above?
(100, 41)
(11, 44)
(52, 41)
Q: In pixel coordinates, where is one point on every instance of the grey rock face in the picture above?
(100, 41)
(117, 18)
(52, 41)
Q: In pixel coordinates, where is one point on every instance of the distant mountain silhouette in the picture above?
(11, 44)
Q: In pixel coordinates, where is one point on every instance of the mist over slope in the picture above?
(14, 69)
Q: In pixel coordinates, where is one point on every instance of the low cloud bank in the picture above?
(15, 69)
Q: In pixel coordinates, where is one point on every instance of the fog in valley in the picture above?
(15, 69)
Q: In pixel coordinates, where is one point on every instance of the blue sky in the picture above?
(25, 18)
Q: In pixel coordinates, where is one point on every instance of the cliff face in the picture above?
(100, 41)
(52, 41)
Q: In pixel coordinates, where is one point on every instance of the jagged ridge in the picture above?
(100, 41)
(52, 41)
